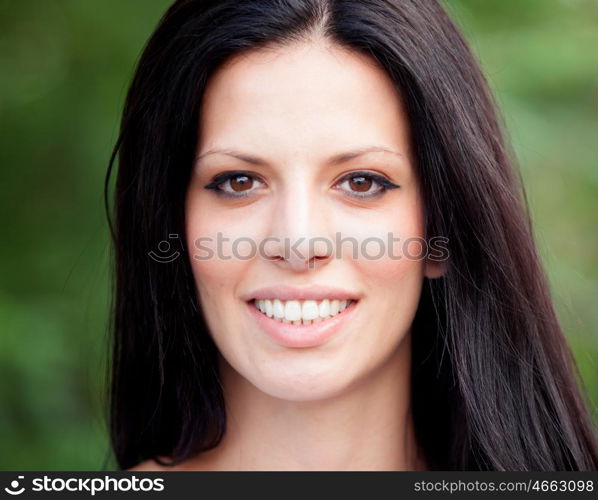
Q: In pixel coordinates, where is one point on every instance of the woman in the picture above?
(275, 138)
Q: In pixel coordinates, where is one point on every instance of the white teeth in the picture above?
(324, 309)
(269, 308)
(278, 309)
(310, 310)
(292, 310)
(299, 312)
(333, 307)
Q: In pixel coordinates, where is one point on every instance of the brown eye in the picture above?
(365, 185)
(360, 184)
(241, 183)
(235, 184)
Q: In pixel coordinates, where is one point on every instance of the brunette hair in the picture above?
(494, 385)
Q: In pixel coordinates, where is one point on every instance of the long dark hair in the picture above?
(494, 385)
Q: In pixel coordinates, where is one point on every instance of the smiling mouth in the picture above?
(301, 312)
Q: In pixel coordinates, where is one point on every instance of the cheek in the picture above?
(388, 242)
(393, 293)
(395, 288)
(390, 263)
(219, 247)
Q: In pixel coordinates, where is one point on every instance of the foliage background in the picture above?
(64, 69)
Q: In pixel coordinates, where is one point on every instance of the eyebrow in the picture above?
(333, 160)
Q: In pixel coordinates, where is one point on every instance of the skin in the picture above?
(345, 404)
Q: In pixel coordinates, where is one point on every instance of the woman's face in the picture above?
(287, 124)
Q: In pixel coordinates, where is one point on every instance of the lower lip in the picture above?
(290, 335)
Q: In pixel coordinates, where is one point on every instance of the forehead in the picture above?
(307, 95)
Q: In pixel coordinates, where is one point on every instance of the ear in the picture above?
(434, 268)
(437, 259)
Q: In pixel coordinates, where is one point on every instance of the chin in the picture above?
(304, 385)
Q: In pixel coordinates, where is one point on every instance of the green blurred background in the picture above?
(64, 69)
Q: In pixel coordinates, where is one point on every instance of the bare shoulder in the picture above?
(193, 464)
(150, 465)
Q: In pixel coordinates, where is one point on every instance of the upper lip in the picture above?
(312, 292)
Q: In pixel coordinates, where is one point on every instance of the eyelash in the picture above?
(382, 181)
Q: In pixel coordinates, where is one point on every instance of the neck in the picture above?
(367, 427)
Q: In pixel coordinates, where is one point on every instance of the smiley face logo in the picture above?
(13, 488)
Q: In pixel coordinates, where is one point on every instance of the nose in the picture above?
(299, 238)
